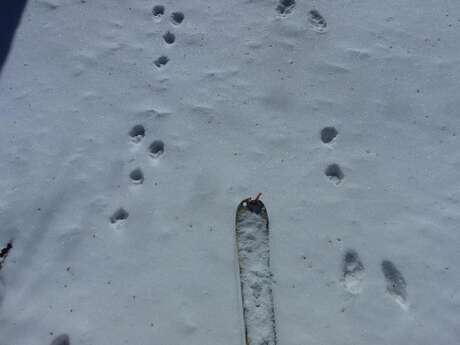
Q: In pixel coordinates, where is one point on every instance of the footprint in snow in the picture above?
(285, 6)
(177, 18)
(396, 284)
(137, 133)
(352, 272)
(158, 11)
(62, 339)
(334, 173)
(119, 215)
(317, 21)
(156, 148)
(137, 176)
(161, 61)
(169, 37)
(4, 253)
(328, 134)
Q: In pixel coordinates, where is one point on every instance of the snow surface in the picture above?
(239, 107)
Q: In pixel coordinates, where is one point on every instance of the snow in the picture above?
(239, 107)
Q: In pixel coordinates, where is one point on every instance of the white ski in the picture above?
(252, 238)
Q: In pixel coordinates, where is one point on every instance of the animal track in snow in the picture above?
(169, 37)
(334, 173)
(177, 18)
(156, 148)
(317, 21)
(352, 271)
(161, 61)
(285, 6)
(137, 133)
(4, 253)
(396, 284)
(328, 134)
(119, 215)
(49, 4)
(137, 176)
(62, 339)
(158, 10)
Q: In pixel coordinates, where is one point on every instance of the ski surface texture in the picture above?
(252, 237)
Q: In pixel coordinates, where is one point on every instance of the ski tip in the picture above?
(254, 205)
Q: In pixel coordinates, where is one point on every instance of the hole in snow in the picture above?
(285, 6)
(120, 214)
(334, 172)
(169, 37)
(156, 148)
(137, 133)
(317, 21)
(4, 253)
(161, 61)
(352, 264)
(62, 339)
(177, 17)
(158, 10)
(137, 176)
(396, 284)
(328, 134)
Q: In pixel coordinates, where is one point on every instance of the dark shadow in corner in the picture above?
(10, 16)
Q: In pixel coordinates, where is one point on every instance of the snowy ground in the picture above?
(239, 107)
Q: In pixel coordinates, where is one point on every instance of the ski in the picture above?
(253, 251)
